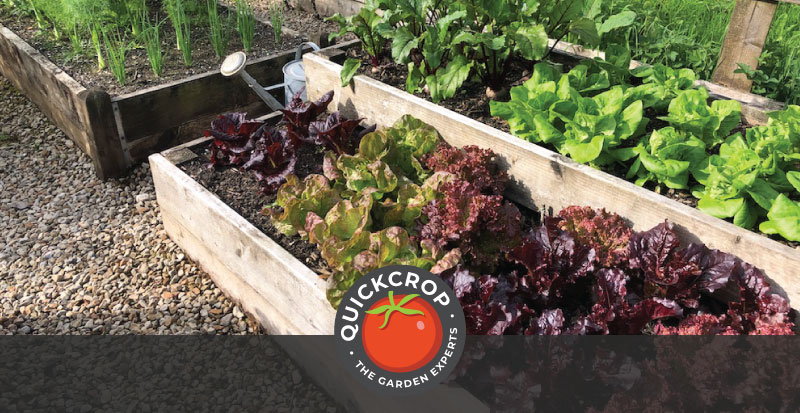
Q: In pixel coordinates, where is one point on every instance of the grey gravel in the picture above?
(82, 256)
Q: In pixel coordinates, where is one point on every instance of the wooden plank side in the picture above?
(747, 33)
(110, 160)
(754, 106)
(327, 8)
(322, 365)
(243, 249)
(151, 111)
(549, 181)
(47, 86)
(144, 147)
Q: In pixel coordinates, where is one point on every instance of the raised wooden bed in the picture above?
(549, 181)
(271, 285)
(120, 131)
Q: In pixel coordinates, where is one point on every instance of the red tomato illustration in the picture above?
(401, 333)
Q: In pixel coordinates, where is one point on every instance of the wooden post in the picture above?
(104, 143)
(747, 33)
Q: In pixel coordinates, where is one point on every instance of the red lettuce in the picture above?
(492, 305)
(273, 159)
(482, 226)
(337, 133)
(298, 116)
(607, 233)
(470, 164)
(553, 259)
(233, 139)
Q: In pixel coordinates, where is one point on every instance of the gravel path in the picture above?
(80, 256)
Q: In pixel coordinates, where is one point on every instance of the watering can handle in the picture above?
(299, 53)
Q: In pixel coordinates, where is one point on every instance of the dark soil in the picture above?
(294, 18)
(241, 191)
(83, 67)
(471, 101)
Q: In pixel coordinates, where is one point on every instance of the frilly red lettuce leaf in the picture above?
(553, 259)
(483, 227)
(607, 233)
(471, 164)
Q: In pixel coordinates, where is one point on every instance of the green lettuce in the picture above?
(667, 157)
(690, 112)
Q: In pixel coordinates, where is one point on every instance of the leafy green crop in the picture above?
(549, 109)
(495, 31)
(366, 26)
(736, 184)
(667, 157)
(660, 85)
(690, 112)
(362, 211)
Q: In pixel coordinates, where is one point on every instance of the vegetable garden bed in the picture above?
(266, 276)
(119, 127)
(269, 283)
(555, 180)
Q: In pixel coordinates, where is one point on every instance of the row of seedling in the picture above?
(115, 27)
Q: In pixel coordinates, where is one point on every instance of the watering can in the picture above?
(294, 76)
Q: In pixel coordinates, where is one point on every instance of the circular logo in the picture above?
(400, 330)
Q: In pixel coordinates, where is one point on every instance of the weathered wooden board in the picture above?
(747, 33)
(754, 106)
(327, 8)
(47, 86)
(227, 245)
(345, 7)
(547, 180)
(276, 289)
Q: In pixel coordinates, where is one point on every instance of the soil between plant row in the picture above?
(471, 101)
(83, 67)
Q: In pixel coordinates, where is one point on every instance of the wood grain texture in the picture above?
(548, 181)
(327, 8)
(109, 159)
(48, 87)
(747, 33)
(228, 246)
(157, 109)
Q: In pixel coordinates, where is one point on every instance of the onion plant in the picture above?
(96, 32)
(151, 36)
(177, 15)
(218, 31)
(277, 15)
(137, 13)
(116, 48)
(246, 23)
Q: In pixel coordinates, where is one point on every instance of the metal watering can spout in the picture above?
(294, 76)
(234, 65)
